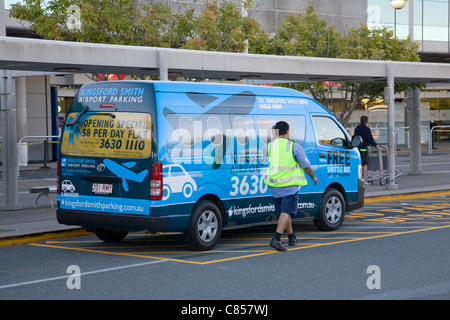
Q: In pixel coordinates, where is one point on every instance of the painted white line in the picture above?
(82, 274)
(423, 164)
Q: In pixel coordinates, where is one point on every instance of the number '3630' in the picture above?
(247, 185)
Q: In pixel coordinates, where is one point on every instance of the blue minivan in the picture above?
(191, 158)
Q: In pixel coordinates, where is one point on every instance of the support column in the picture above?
(415, 151)
(21, 106)
(391, 132)
(8, 132)
(163, 69)
(2, 18)
(9, 142)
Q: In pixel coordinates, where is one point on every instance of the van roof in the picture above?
(207, 88)
(218, 88)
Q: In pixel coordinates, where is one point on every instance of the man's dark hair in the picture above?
(282, 127)
(364, 119)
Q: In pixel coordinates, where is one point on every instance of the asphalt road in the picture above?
(387, 250)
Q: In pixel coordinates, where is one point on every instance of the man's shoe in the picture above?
(277, 244)
(293, 240)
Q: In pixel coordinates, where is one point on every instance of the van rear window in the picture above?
(115, 135)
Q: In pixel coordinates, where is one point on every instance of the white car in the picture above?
(176, 180)
(67, 185)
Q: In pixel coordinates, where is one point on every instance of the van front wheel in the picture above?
(332, 211)
(205, 227)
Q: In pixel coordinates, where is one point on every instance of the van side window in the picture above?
(263, 126)
(215, 131)
(241, 129)
(186, 131)
(328, 132)
(189, 134)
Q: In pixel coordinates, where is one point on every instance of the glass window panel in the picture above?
(380, 13)
(435, 20)
(8, 3)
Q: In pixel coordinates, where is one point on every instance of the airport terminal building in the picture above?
(425, 21)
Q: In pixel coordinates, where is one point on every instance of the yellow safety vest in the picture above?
(283, 170)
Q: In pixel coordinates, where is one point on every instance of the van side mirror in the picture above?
(356, 141)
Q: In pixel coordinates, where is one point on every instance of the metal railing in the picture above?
(407, 138)
(430, 146)
(40, 140)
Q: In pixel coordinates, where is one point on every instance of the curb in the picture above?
(42, 236)
(411, 195)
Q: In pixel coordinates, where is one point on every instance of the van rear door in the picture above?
(105, 155)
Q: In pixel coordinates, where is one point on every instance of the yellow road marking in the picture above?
(375, 237)
(253, 253)
(106, 252)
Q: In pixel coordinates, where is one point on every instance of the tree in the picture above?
(105, 21)
(373, 44)
(158, 27)
(219, 27)
(223, 27)
(306, 35)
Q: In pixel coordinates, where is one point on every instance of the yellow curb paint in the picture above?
(21, 239)
(407, 196)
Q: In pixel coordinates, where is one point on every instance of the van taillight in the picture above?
(58, 178)
(156, 181)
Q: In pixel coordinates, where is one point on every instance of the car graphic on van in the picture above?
(67, 185)
(177, 180)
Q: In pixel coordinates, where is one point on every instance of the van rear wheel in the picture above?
(332, 211)
(205, 227)
(110, 235)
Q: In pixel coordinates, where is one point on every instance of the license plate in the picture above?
(102, 188)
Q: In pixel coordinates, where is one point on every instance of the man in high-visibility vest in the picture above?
(284, 177)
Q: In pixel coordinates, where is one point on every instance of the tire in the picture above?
(205, 227)
(332, 211)
(110, 235)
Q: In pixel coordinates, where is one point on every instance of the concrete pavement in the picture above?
(39, 223)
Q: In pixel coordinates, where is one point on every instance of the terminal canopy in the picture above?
(66, 57)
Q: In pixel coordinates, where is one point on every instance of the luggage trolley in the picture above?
(376, 162)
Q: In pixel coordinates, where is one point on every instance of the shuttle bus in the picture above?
(191, 158)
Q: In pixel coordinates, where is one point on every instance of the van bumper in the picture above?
(95, 220)
(360, 202)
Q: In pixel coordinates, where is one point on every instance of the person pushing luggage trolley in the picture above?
(365, 133)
